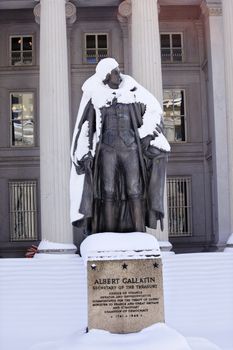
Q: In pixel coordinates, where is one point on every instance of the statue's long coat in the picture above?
(145, 113)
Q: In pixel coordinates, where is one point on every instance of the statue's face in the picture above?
(114, 79)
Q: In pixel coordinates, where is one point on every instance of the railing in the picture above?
(21, 58)
(179, 206)
(23, 211)
(172, 55)
(95, 55)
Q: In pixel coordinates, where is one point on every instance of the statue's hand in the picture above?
(84, 164)
(145, 141)
(158, 130)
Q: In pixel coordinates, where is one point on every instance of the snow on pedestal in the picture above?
(125, 282)
(112, 245)
(45, 300)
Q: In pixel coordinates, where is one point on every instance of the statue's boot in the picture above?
(137, 214)
(109, 216)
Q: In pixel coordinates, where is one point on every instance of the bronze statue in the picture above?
(119, 155)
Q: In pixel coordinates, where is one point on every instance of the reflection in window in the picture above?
(23, 210)
(22, 119)
(96, 47)
(171, 47)
(179, 206)
(21, 50)
(174, 115)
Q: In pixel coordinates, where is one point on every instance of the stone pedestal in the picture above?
(125, 283)
(125, 296)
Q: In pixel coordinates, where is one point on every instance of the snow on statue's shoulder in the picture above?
(113, 245)
(152, 116)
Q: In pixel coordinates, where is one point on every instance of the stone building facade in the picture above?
(175, 48)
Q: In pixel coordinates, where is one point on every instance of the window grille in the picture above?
(22, 119)
(21, 50)
(174, 109)
(179, 206)
(96, 47)
(23, 211)
(171, 47)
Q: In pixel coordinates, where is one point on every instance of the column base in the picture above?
(165, 246)
(229, 246)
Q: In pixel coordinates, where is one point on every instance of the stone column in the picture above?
(146, 59)
(227, 6)
(146, 54)
(54, 120)
(126, 36)
(218, 124)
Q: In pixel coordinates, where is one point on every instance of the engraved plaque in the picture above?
(125, 296)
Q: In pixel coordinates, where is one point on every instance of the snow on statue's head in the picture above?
(105, 66)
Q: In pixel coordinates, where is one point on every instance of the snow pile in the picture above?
(45, 300)
(41, 300)
(47, 245)
(198, 291)
(47, 249)
(201, 344)
(112, 245)
(159, 337)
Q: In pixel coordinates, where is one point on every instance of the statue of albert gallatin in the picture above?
(119, 155)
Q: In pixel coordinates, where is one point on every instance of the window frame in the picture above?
(171, 47)
(21, 36)
(96, 34)
(34, 118)
(184, 116)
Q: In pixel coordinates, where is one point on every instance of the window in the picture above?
(179, 206)
(23, 211)
(22, 119)
(21, 50)
(96, 47)
(174, 115)
(171, 47)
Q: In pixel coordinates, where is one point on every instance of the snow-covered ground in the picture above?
(45, 300)
(156, 337)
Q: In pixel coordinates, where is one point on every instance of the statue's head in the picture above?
(113, 79)
(109, 73)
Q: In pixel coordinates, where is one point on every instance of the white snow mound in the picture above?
(47, 245)
(117, 245)
(51, 250)
(158, 336)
